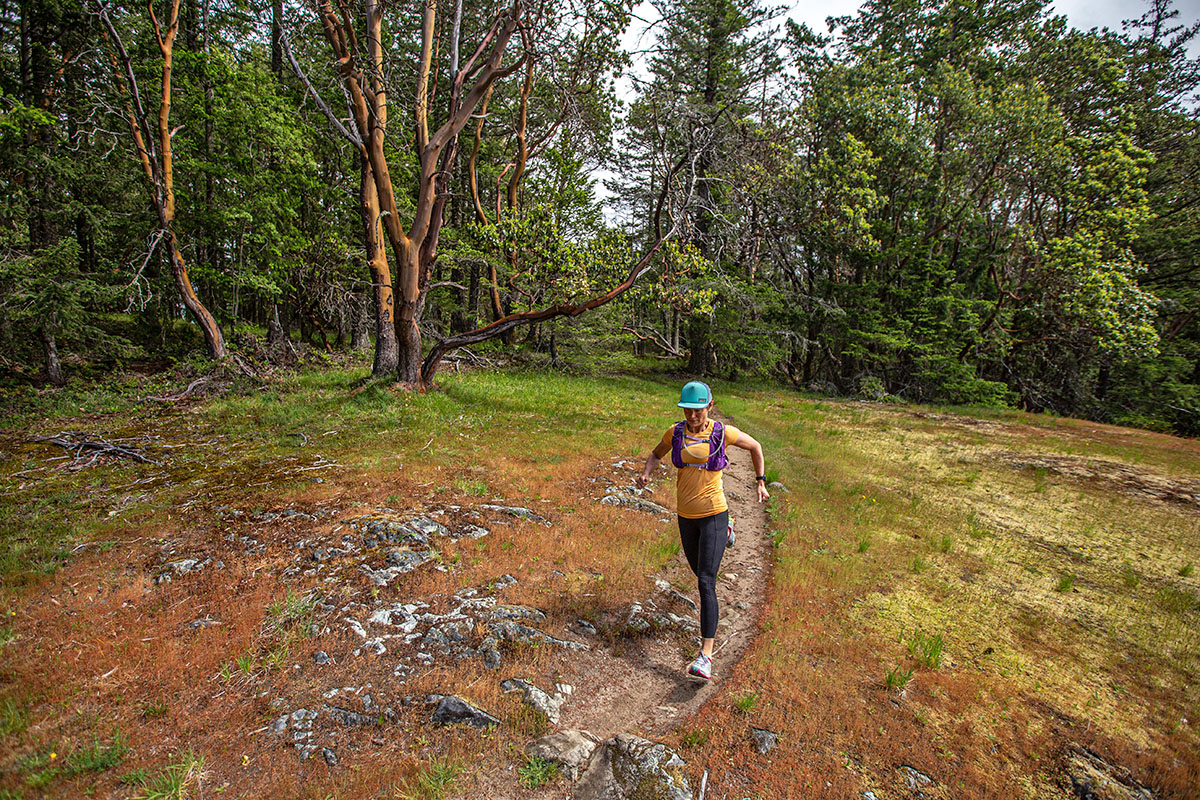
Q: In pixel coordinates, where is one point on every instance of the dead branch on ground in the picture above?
(79, 443)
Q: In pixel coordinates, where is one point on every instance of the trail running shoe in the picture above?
(701, 668)
(730, 536)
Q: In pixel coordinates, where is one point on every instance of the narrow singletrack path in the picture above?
(643, 688)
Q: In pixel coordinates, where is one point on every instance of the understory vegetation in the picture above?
(979, 669)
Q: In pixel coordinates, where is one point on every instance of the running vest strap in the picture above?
(716, 448)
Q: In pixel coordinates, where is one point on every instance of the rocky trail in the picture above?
(621, 683)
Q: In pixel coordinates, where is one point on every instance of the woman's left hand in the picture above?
(763, 494)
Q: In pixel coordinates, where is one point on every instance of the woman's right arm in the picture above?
(652, 462)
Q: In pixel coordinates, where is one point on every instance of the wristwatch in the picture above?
(762, 478)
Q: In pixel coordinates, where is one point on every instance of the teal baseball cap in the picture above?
(695, 395)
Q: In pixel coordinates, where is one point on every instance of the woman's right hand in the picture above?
(642, 480)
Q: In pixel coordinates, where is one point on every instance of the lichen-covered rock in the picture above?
(571, 749)
(1093, 778)
(538, 699)
(914, 778)
(630, 497)
(429, 527)
(628, 767)
(516, 632)
(453, 710)
(516, 511)
(350, 719)
(517, 612)
(764, 740)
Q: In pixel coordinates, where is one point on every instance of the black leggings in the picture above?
(704, 545)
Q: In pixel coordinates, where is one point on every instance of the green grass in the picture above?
(12, 717)
(97, 757)
(746, 702)
(537, 772)
(1176, 600)
(295, 613)
(918, 564)
(1066, 582)
(172, 782)
(42, 767)
(1185, 571)
(897, 677)
(943, 544)
(696, 737)
(474, 488)
(433, 781)
(927, 650)
(155, 710)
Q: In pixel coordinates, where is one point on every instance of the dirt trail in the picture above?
(643, 688)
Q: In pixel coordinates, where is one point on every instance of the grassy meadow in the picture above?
(965, 593)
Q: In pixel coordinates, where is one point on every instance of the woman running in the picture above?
(697, 447)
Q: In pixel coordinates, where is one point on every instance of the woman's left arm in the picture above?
(748, 442)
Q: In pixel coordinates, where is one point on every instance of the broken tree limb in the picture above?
(191, 387)
(78, 444)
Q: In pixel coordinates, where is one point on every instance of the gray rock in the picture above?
(407, 560)
(869, 795)
(350, 719)
(302, 718)
(516, 632)
(586, 627)
(516, 511)
(330, 757)
(764, 740)
(181, 567)
(675, 594)
(452, 710)
(401, 561)
(913, 778)
(491, 656)
(538, 699)
(429, 527)
(280, 725)
(518, 612)
(469, 531)
(436, 640)
(503, 581)
(322, 658)
(628, 767)
(571, 749)
(620, 498)
(203, 622)
(778, 487)
(1093, 778)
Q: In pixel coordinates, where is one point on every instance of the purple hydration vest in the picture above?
(716, 448)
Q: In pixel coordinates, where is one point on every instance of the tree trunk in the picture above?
(360, 334)
(275, 333)
(54, 371)
(387, 353)
(213, 337)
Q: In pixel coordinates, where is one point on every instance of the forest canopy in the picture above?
(965, 202)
